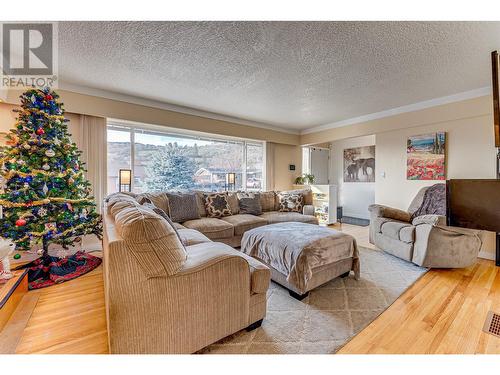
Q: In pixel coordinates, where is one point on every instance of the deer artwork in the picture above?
(6, 249)
(352, 172)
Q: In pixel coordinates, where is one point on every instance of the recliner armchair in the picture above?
(425, 240)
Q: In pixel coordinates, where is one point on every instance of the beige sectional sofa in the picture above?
(165, 295)
(230, 229)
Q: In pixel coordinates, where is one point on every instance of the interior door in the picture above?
(319, 165)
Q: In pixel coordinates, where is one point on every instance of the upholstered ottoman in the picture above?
(302, 256)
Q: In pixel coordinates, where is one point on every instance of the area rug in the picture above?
(330, 316)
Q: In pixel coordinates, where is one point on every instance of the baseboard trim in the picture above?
(355, 221)
(486, 255)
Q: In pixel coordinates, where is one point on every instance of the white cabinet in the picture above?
(325, 203)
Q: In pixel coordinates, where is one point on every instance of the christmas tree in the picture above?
(170, 168)
(44, 196)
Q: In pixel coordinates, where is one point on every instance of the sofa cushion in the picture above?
(280, 217)
(115, 198)
(267, 200)
(244, 222)
(399, 230)
(183, 206)
(151, 240)
(179, 226)
(192, 237)
(211, 227)
(159, 199)
(146, 202)
(377, 223)
(200, 202)
(290, 202)
(217, 205)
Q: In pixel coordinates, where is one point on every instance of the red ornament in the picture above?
(20, 222)
(48, 97)
(40, 131)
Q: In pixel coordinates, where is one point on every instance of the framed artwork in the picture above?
(426, 157)
(359, 164)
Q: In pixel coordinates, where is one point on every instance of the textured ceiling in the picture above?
(294, 75)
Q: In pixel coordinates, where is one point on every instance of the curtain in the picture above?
(270, 147)
(94, 146)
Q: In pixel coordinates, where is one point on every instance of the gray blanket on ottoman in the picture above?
(295, 249)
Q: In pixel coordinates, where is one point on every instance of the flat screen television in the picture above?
(473, 203)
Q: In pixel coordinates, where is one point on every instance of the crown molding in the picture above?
(483, 91)
(167, 106)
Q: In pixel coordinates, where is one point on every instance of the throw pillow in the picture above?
(267, 199)
(183, 207)
(290, 202)
(250, 204)
(232, 199)
(146, 202)
(217, 205)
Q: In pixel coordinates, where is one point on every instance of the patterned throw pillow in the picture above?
(290, 202)
(217, 205)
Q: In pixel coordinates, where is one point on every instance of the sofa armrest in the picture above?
(434, 220)
(378, 210)
(205, 255)
(439, 221)
(308, 209)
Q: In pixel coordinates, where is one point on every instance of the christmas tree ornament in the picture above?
(20, 222)
(17, 256)
(33, 214)
(42, 212)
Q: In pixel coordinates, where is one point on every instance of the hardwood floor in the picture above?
(68, 318)
(442, 313)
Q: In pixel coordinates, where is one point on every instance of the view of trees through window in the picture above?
(176, 162)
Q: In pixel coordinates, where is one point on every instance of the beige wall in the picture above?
(284, 155)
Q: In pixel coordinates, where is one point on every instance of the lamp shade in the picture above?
(231, 178)
(125, 176)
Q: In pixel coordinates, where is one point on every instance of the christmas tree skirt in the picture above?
(49, 270)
